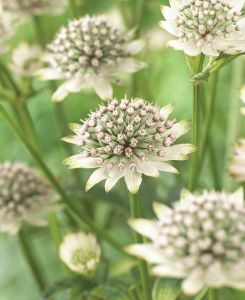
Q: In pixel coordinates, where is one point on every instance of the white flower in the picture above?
(237, 165)
(206, 27)
(7, 29)
(24, 197)
(88, 54)
(80, 252)
(26, 59)
(33, 7)
(128, 138)
(202, 240)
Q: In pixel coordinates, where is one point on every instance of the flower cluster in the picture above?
(26, 60)
(87, 54)
(206, 27)
(7, 29)
(128, 138)
(80, 252)
(33, 7)
(24, 197)
(202, 239)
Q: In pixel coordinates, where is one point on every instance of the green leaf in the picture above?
(166, 289)
(115, 290)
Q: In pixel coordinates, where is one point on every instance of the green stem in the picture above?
(55, 229)
(202, 294)
(73, 8)
(39, 30)
(30, 259)
(135, 212)
(207, 127)
(81, 218)
(213, 294)
(5, 71)
(214, 167)
(195, 125)
(233, 118)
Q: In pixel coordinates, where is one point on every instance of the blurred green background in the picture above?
(166, 80)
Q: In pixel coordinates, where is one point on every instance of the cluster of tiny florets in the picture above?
(204, 230)
(201, 19)
(31, 6)
(125, 130)
(89, 42)
(21, 189)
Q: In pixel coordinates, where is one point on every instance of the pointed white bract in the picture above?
(80, 252)
(33, 7)
(26, 60)
(88, 54)
(201, 240)
(237, 165)
(128, 138)
(24, 197)
(207, 27)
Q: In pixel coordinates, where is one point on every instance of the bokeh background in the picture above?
(165, 81)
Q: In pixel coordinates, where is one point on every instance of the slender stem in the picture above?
(207, 127)
(202, 294)
(39, 30)
(55, 229)
(214, 167)
(80, 217)
(30, 259)
(73, 8)
(233, 118)
(4, 69)
(195, 125)
(213, 294)
(135, 212)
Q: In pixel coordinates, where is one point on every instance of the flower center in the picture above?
(207, 20)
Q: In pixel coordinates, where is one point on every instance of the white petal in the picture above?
(148, 168)
(242, 94)
(147, 252)
(168, 12)
(135, 47)
(179, 129)
(71, 86)
(161, 210)
(102, 87)
(10, 225)
(165, 167)
(185, 195)
(169, 26)
(114, 175)
(145, 227)
(133, 180)
(238, 197)
(215, 276)
(193, 283)
(97, 176)
(168, 270)
(35, 219)
(79, 161)
(176, 44)
(73, 139)
(166, 111)
(177, 152)
(238, 4)
(125, 66)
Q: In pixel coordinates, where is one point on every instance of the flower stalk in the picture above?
(135, 212)
(195, 123)
(213, 294)
(26, 251)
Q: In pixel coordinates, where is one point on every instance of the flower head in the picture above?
(202, 239)
(26, 59)
(128, 138)
(87, 54)
(33, 7)
(24, 197)
(7, 29)
(80, 252)
(206, 27)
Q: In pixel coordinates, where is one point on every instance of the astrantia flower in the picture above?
(33, 7)
(80, 252)
(24, 197)
(206, 27)
(7, 29)
(127, 139)
(26, 59)
(237, 166)
(89, 53)
(202, 240)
